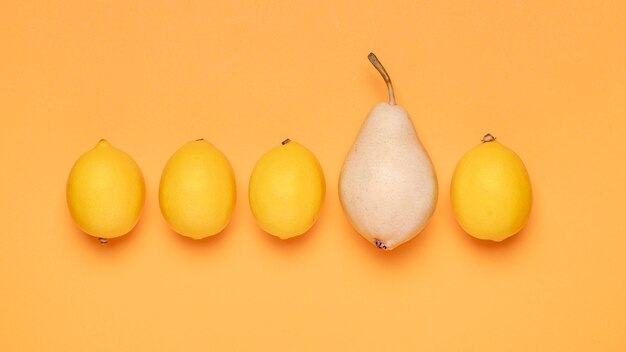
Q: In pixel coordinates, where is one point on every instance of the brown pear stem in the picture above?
(374, 60)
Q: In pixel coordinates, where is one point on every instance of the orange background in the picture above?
(547, 78)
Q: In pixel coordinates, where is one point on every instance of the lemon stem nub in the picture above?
(285, 141)
(488, 138)
(374, 60)
(103, 240)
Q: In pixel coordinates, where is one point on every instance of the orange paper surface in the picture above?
(547, 78)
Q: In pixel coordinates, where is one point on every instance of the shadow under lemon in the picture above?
(111, 244)
(504, 248)
(209, 243)
(288, 246)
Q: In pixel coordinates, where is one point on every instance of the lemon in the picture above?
(490, 192)
(197, 192)
(286, 190)
(105, 192)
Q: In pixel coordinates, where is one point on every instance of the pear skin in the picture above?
(388, 185)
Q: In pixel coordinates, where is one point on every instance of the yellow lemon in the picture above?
(286, 190)
(491, 193)
(105, 192)
(197, 193)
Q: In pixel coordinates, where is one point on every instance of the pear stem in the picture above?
(374, 60)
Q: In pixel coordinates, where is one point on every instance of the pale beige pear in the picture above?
(388, 186)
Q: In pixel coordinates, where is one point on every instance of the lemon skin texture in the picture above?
(286, 190)
(491, 192)
(197, 192)
(105, 192)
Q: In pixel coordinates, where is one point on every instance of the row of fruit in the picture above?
(387, 187)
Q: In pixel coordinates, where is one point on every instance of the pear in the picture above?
(388, 186)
